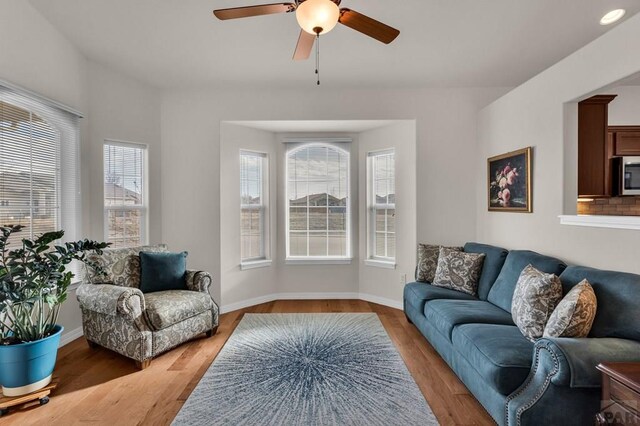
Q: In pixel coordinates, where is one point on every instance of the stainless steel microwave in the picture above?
(630, 176)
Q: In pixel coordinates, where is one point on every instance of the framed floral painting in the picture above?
(510, 181)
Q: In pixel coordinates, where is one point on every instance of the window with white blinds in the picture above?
(318, 214)
(125, 207)
(381, 222)
(39, 179)
(253, 206)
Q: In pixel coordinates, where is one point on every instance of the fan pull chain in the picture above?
(318, 58)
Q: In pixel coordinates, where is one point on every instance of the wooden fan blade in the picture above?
(368, 26)
(304, 46)
(247, 11)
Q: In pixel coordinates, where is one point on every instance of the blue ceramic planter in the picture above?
(27, 367)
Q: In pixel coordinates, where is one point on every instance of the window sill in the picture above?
(318, 261)
(614, 222)
(385, 264)
(264, 263)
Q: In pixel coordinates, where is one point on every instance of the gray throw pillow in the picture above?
(428, 261)
(536, 296)
(458, 270)
(574, 315)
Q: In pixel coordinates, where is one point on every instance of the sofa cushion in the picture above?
(166, 308)
(501, 293)
(536, 296)
(444, 315)
(493, 261)
(120, 266)
(163, 271)
(428, 261)
(417, 294)
(574, 315)
(458, 270)
(618, 295)
(499, 353)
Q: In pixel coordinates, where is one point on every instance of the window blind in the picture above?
(39, 165)
(124, 193)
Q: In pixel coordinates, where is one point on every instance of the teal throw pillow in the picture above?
(162, 271)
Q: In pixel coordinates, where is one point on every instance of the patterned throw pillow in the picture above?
(458, 270)
(574, 315)
(536, 296)
(121, 266)
(428, 261)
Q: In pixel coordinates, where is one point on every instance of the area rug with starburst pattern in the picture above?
(307, 369)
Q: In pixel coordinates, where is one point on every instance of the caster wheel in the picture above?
(4, 411)
(44, 400)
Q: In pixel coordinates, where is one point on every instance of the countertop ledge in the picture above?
(614, 222)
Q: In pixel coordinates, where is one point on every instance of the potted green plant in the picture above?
(34, 279)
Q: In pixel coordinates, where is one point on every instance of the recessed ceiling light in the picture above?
(613, 16)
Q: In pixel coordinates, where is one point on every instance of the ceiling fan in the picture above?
(315, 17)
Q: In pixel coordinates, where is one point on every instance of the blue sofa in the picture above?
(552, 381)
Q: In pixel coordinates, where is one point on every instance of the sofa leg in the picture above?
(408, 319)
(92, 345)
(213, 331)
(141, 365)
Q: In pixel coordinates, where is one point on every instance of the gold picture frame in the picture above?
(509, 182)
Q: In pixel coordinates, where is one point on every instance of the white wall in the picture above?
(386, 283)
(624, 110)
(446, 155)
(123, 109)
(37, 57)
(317, 278)
(533, 115)
(238, 285)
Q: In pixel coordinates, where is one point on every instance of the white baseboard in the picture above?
(246, 303)
(70, 336)
(316, 296)
(381, 301)
(308, 296)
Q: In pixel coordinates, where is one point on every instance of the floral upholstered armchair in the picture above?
(118, 316)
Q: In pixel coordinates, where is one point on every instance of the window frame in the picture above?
(328, 260)
(263, 208)
(373, 208)
(142, 208)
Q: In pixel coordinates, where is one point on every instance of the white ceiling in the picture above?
(178, 43)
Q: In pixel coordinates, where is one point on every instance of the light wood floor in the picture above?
(101, 387)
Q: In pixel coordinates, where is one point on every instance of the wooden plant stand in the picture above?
(41, 395)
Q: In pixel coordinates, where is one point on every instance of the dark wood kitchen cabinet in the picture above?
(626, 140)
(595, 148)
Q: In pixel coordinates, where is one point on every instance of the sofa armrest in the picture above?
(198, 281)
(563, 386)
(110, 299)
(577, 358)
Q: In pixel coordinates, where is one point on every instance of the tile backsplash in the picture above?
(614, 206)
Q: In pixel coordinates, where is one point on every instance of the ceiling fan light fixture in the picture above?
(317, 16)
(613, 16)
